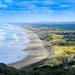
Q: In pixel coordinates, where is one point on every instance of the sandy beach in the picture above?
(36, 51)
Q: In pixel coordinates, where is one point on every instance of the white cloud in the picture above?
(49, 2)
(8, 1)
(71, 13)
(64, 5)
(3, 5)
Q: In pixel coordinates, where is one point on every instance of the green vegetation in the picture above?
(63, 46)
(64, 39)
(5, 70)
(68, 39)
(47, 36)
(62, 69)
(68, 52)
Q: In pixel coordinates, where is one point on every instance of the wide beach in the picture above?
(36, 51)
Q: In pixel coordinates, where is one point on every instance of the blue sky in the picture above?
(37, 11)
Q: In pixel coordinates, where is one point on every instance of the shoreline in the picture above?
(36, 52)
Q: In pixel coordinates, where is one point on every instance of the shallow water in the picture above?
(12, 42)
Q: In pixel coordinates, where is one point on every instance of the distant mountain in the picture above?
(39, 23)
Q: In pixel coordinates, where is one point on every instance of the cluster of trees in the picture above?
(69, 39)
(43, 70)
(46, 36)
(5, 70)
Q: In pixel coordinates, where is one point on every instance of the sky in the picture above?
(27, 11)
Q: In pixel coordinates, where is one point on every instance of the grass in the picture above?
(56, 38)
(61, 49)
